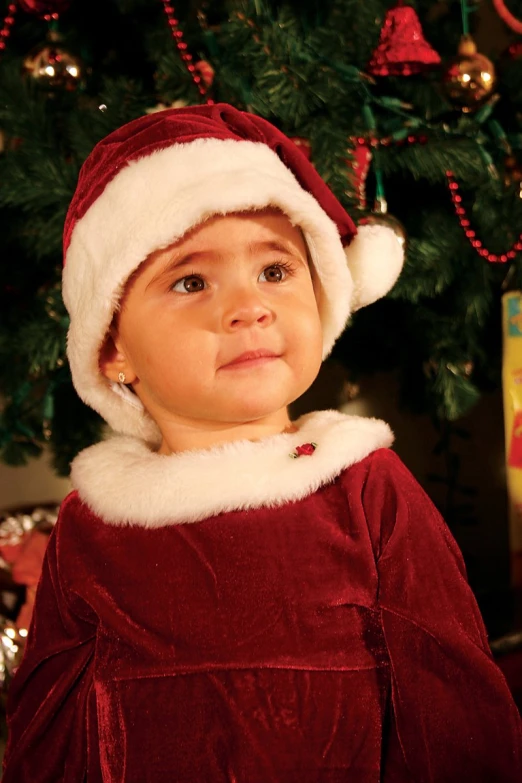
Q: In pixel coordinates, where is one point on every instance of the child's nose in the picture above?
(246, 308)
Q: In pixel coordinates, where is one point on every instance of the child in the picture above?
(229, 596)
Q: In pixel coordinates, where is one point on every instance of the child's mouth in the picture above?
(251, 359)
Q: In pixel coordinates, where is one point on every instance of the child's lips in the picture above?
(251, 359)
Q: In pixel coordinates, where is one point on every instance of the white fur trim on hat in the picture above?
(152, 202)
(375, 257)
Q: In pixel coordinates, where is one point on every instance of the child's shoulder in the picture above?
(75, 518)
(382, 482)
(381, 466)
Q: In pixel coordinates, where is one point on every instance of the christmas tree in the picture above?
(407, 122)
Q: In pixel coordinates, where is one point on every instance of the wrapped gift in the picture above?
(512, 392)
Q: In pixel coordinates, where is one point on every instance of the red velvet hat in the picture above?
(147, 183)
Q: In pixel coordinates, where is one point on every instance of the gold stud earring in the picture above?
(121, 377)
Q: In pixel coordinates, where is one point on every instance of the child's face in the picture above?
(237, 284)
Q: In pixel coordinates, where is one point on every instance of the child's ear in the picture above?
(112, 360)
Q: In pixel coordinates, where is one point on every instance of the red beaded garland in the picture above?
(493, 258)
(460, 211)
(186, 57)
(385, 141)
(5, 32)
(45, 9)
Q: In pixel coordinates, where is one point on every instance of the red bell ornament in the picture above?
(44, 7)
(402, 49)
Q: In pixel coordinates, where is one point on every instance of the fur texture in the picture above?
(155, 200)
(151, 203)
(124, 482)
(375, 258)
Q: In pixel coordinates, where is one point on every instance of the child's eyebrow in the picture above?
(198, 255)
(177, 263)
(278, 247)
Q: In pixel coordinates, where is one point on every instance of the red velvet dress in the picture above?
(328, 638)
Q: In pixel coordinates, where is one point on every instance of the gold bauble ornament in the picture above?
(179, 104)
(512, 171)
(470, 78)
(350, 391)
(53, 67)
(381, 217)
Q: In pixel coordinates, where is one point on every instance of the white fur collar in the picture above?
(124, 482)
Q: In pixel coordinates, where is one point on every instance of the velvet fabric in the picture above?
(333, 639)
(145, 135)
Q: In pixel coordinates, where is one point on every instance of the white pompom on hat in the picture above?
(147, 183)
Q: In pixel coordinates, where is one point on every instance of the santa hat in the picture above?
(146, 184)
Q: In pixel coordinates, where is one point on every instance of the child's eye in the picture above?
(274, 273)
(189, 285)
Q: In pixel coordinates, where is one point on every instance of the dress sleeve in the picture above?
(47, 699)
(451, 716)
